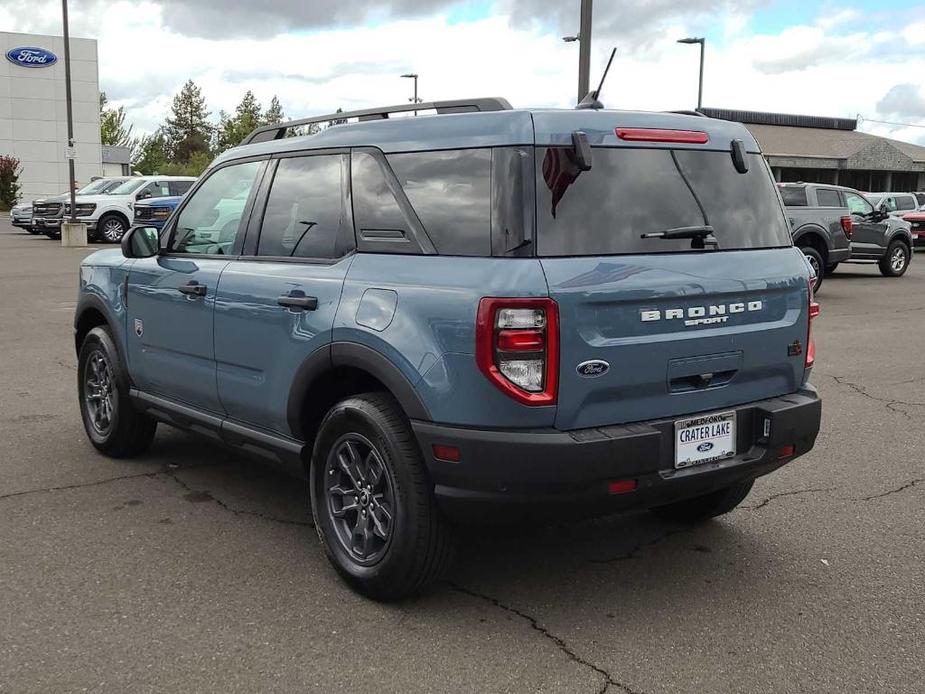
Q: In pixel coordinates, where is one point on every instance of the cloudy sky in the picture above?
(847, 58)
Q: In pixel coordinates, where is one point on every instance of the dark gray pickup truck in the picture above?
(833, 224)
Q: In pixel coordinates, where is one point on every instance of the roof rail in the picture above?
(689, 113)
(277, 131)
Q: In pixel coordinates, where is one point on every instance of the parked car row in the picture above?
(106, 206)
(834, 224)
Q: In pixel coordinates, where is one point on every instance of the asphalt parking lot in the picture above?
(194, 570)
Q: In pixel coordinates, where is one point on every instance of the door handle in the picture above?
(297, 299)
(193, 288)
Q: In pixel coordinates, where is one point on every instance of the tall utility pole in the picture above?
(702, 41)
(70, 114)
(584, 50)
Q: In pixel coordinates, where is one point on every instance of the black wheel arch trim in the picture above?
(91, 301)
(355, 355)
(811, 230)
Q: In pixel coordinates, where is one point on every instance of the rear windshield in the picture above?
(794, 196)
(630, 192)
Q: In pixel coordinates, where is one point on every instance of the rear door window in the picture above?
(630, 192)
(793, 196)
(451, 193)
(179, 187)
(306, 215)
(826, 197)
(905, 202)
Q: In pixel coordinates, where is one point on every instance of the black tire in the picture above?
(406, 544)
(110, 228)
(896, 260)
(703, 508)
(829, 269)
(815, 259)
(124, 432)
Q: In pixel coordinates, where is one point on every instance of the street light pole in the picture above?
(70, 114)
(584, 50)
(702, 41)
(414, 99)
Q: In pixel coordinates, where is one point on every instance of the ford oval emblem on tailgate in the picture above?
(592, 368)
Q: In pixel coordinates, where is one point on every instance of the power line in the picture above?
(861, 119)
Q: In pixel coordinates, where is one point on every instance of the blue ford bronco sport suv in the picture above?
(432, 317)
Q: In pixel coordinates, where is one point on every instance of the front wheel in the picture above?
(113, 426)
(111, 228)
(818, 264)
(702, 508)
(896, 260)
(372, 502)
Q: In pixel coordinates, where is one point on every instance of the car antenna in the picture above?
(591, 98)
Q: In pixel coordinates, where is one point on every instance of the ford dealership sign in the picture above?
(30, 56)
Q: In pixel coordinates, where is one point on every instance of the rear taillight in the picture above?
(517, 347)
(847, 225)
(810, 342)
(689, 137)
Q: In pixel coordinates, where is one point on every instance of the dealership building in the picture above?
(33, 111)
(818, 149)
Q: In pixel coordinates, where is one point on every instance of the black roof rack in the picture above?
(684, 112)
(277, 131)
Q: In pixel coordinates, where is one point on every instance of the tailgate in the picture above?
(678, 333)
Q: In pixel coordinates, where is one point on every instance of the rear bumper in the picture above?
(505, 470)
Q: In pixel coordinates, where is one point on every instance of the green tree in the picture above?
(113, 130)
(193, 167)
(247, 116)
(274, 113)
(188, 130)
(152, 154)
(10, 168)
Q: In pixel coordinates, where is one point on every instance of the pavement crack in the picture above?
(901, 488)
(634, 553)
(205, 495)
(795, 492)
(608, 679)
(79, 485)
(892, 404)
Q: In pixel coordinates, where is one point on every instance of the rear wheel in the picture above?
(111, 228)
(818, 264)
(372, 502)
(113, 426)
(896, 260)
(702, 508)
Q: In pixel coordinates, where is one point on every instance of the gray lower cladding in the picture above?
(282, 451)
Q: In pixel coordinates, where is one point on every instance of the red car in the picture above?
(917, 220)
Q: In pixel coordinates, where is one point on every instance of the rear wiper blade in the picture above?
(701, 236)
(696, 232)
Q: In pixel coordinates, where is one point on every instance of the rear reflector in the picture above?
(690, 137)
(786, 451)
(448, 453)
(521, 341)
(621, 486)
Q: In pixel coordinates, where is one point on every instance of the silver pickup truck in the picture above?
(833, 224)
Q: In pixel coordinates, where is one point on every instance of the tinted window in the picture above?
(630, 192)
(920, 198)
(451, 194)
(179, 187)
(209, 221)
(305, 215)
(857, 204)
(155, 189)
(377, 213)
(905, 202)
(793, 196)
(827, 198)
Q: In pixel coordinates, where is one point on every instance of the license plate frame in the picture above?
(721, 445)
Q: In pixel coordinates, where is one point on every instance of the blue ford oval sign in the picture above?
(705, 446)
(594, 367)
(31, 56)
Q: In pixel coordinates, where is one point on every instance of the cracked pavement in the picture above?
(192, 569)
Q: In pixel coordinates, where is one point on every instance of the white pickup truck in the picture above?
(109, 215)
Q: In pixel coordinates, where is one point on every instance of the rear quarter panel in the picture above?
(430, 337)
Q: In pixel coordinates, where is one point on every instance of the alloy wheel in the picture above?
(99, 388)
(360, 498)
(898, 259)
(112, 230)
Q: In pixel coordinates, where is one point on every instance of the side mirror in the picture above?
(879, 214)
(141, 242)
(144, 195)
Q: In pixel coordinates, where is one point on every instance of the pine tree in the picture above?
(274, 113)
(247, 116)
(152, 154)
(188, 130)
